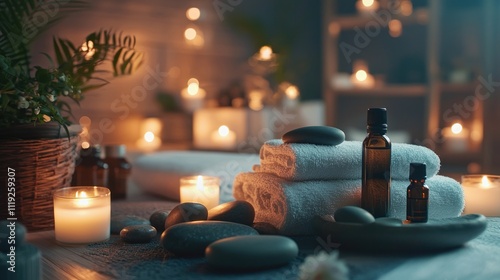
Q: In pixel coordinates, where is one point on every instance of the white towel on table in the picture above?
(291, 206)
(300, 162)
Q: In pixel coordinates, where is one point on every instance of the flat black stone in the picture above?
(186, 212)
(319, 135)
(251, 252)
(353, 214)
(238, 211)
(190, 239)
(138, 233)
(157, 219)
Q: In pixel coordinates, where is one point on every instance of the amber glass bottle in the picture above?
(376, 169)
(90, 169)
(417, 194)
(119, 170)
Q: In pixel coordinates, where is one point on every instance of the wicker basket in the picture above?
(38, 166)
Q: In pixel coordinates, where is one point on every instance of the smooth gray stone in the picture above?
(251, 252)
(388, 222)
(353, 214)
(158, 218)
(28, 263)
(11, 233)
(186, 212)
(191, 238)
(138, 233)
(238, 211)
(385, 236)
(120, 221)
(319, 135)
(265, 228)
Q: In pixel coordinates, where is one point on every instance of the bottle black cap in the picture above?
(418, 171)
(377, 119)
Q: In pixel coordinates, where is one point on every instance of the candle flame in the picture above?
(223, 131)
(361, 75)
(199, 183)
(193, 13)
(82, 202)
(85, 145)
(149, 136)
(193, 89)
(456, 128)
(190, 33)
(193, 81)
(368, 3)
(292, 92)
(485, 183)
(265, 52)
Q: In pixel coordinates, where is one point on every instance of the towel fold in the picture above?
(291, 206)
(300, 162)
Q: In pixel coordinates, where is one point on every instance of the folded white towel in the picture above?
(300, 162)
(291, 206)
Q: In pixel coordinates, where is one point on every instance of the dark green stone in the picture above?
(186, 212)
(158, 218)
(251, 252)
(319, 135)
(191, 238)
(138, 233)
(353, 214)
(238, 211)
(120, 221)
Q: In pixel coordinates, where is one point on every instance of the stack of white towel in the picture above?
(295, 182)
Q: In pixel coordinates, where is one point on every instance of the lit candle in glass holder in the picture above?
(150, 132)
(201, 189)
(193, 97)
(456, 138)
(82, 214)
(224, 138)
(482, 194)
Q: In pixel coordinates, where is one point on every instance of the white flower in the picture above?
(323, 266)
(22, 103)
(37, 110)
(51, 97)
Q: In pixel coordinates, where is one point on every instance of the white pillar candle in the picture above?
(82, 214)
(482, 194)
(223, 138)
(200, 189)
(193, 97)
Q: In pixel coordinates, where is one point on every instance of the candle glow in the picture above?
(200, 189)
(481, 194)
(266, 53)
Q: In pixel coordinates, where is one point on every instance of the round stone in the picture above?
(319, 135)
(385, 221)
(251, 252)
(11, 231)
(120, 221)
(158, 218)
(265, 228)
(138, 233)
(186, 212)
(353, 214)
(191, 238)
(238, 211)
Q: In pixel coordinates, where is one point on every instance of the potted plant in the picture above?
(38, 144)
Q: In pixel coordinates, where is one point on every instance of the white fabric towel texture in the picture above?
(301, 162)
(291, 206)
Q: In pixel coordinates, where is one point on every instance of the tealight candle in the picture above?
(482, 194)
(224, 138)
(193, 97)
(200, 189)
(82, 214)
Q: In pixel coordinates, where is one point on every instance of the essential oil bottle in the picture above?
(376, 169)
(417, 194)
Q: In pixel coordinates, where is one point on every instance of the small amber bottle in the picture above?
(376, 165)
(417, 194)
(90, 169)
(119, 170)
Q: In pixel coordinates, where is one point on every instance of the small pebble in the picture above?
(353, 214)
(388, 222)
(251, 252)
(120, 221)
(238, 211)
(191, 238)
(138, 233)
(319, 135)
(157, 219)
(186, 212)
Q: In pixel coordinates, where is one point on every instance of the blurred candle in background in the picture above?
(193, 97)
(223, 138)
(200, 189)
(150, 135)
(482, 194)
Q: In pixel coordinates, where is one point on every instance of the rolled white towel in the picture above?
(291, 206)
(300, 162)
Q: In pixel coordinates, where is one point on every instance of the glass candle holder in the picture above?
(82, 214)
(482, 194)
(200, 189)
